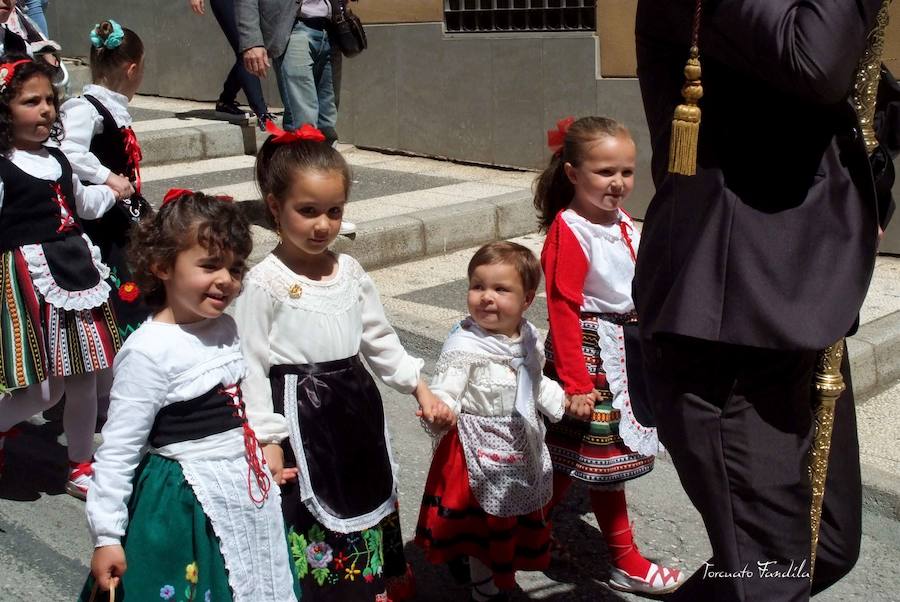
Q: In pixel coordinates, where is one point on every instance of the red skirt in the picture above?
(452, 523)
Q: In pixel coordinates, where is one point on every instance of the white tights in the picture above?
(79, 417)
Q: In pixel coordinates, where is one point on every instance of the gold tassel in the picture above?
(686, 122)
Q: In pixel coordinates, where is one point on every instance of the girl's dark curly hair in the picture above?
(216, 224)
(107, 64)
(553, 190)
(23, 73)
(278, 164)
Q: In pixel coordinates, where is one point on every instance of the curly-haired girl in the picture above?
(58, 332)
(196, 511)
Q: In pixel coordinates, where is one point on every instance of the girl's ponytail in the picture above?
(553, 191)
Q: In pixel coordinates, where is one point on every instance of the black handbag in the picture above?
(347, 30)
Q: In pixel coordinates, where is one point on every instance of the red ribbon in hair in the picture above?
(133, 152)
(176, 193)
(556, 139)
(306, 132)
(8, 71)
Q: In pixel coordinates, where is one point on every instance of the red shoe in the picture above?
(402, 588)
(79, 479)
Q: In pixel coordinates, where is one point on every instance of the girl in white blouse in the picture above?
(306, 317)
(180, 489)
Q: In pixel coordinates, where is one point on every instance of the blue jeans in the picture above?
(305, 80)
(35, 10)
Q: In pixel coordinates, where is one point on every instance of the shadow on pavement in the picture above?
(36, 463)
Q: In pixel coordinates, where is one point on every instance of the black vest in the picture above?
(31, 211)
(212, 413)
(109, 145)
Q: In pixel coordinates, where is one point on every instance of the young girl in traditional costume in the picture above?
(307, 317)
(491, 476)
(195, 513)
(588, 260)
(58, 332)
(103, 149)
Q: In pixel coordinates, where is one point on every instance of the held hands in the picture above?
(108, 565)
(256, 61)
(197, 6)
(274, 456)
(581, 406)
(432, 409)
(121, 186)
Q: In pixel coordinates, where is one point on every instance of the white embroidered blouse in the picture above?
(287, 319)
(607, 287)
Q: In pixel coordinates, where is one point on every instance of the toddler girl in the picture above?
(307, 318)
(588, 260)
(195, 513)
(491, 476)
(58, 330)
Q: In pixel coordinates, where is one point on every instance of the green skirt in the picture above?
(170, 546)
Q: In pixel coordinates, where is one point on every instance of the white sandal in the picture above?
(658, 580)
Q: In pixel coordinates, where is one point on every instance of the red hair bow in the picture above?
(176, 193)
(8, 71)
(306, 132)
(557, 138)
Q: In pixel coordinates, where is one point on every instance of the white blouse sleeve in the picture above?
(551, 401)
(449, 384)
(254, 312)
(138, 393)
(81, 120)
(381, 346)
(92, 201)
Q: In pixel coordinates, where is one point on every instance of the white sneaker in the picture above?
(79, 480)
(659, 580)
(347, 228)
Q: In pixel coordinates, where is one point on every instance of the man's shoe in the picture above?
(262, 119)
(79, 479)
(229, 110)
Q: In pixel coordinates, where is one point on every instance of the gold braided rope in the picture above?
(828, 382)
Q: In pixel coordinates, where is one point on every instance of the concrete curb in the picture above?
(875, 355)
(881, 491)
(207, 141)
(418, 235)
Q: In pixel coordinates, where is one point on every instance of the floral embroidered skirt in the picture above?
(452, 524)
(40, 340)
(593, 451)
(350, 567)
(171, 549)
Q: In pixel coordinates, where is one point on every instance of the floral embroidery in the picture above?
(167, 592)
(190, 573)
(129, 292)
(362, 556)
(319, 554)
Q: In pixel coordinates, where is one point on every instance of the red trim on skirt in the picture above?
(452, 523)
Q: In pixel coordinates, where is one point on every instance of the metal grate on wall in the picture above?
(463, 16)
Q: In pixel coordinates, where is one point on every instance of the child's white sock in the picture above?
(483, 586)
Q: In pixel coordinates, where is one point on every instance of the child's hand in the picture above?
(581, 406)
(108, 565)
(432, 408)
(274, 456)
(121, 186)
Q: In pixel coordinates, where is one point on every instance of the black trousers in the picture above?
(238, 78)
(737, 422)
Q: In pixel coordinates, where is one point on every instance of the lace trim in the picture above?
(331, 298)
(258, 567)
(463, 360)
(639, 438)
(57, 296)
